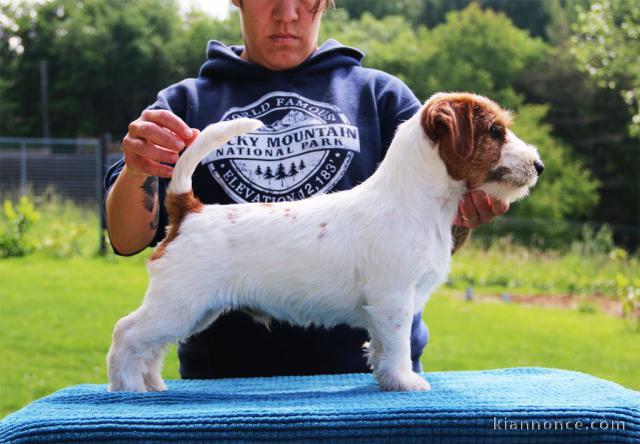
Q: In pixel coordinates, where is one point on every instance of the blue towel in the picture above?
(509, 405)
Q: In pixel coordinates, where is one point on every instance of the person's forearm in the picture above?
(132, 208)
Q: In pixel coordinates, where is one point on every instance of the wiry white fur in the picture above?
(369, 257)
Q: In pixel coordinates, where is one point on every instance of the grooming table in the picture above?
(508, 405)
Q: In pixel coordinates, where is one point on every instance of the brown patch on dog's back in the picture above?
(178, 206)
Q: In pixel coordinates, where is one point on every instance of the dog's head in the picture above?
(474, 142)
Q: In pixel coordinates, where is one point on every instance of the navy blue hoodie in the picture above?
(330, 122)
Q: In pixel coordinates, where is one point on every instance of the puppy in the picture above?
(368, 257)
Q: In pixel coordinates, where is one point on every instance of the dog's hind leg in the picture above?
(124, 365)
(139, 339)
(153, 374)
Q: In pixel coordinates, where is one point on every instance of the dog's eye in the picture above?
(496, 131)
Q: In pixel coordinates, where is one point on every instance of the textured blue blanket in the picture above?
(510, 405)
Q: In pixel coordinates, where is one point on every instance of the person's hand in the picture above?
(155, 139)
(477, 208)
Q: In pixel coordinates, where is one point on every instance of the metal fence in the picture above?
(72, 169)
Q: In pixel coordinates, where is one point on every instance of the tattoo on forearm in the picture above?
(150, 188)
(460, 235)
(150, 201)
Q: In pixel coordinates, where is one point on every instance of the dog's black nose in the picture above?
(539, 166)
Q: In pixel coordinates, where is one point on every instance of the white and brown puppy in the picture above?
(368, 257)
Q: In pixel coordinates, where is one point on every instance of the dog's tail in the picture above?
(180, 200)
(212, 137)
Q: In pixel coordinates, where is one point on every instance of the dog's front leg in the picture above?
(390, 346)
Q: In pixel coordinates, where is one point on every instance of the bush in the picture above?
(598, 242)
(63, 240)
(58, 228)
(14, 224)
(66, 229)
(629, 293)
(588, 269)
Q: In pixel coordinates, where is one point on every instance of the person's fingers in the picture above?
(151, 151)
(467, 213)
(196, 133)
(153, 133)
(167, 119)
(149, 167)
(477, 208)
(482, 205)
(499, 206)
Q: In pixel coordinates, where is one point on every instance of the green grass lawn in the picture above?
(56, 318)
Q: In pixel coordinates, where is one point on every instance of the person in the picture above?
(328, 123)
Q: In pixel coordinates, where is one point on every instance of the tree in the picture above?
(474, 50)
(292, 170)
(268, 174)
(196, 29)
(380, 9)
(606, 43)
(107, 60)
(481, 51)
(594, 122)
(390, 44)
(533, 16)
(281, 174)
(565, 192)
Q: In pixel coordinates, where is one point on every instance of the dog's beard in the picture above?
(509, 191)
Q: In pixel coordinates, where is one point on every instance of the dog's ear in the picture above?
(450, 125)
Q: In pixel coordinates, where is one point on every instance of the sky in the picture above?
(215, 8)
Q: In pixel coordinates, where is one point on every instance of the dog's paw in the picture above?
(123, 382)
(154, 384)
(403, 382)
(113, 387)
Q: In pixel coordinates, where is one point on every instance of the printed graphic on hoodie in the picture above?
(304, 149)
